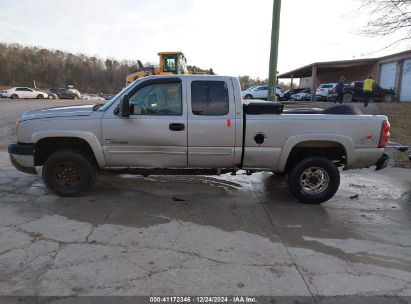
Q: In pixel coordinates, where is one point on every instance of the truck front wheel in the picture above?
(314, 180)
(68, 173)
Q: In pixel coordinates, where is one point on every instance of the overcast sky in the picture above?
(231, 36)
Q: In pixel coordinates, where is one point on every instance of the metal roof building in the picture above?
(391, 72)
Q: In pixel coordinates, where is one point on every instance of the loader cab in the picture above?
(173, 63)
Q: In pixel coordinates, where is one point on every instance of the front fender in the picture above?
(291, 142)
(89, 137)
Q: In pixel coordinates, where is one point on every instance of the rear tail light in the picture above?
(385, 134)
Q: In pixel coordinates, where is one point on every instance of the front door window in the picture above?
(157, 99)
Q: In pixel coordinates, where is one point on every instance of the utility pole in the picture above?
(275, 34)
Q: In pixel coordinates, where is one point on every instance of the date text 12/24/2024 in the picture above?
(203, 299)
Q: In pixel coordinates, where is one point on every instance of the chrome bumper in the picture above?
(22, 157)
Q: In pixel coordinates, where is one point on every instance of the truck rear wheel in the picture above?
(348, 97)
(314, 180)
(68, 173)
(388, 98)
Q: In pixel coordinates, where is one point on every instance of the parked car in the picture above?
(52, 95)
(261, 92)
(354, 92)
(66, 93)
(91, 97)
(304, 95)
(323, 91)
(152, 127)
(287, 94)
(108, 96)
(24, 92)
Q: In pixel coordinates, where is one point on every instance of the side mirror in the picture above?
(124, 107)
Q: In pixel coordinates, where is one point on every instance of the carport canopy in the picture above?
(314, 69)
(307, 71)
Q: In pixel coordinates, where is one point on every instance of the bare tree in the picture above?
(388, 17)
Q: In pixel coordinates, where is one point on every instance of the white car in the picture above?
(301, 96)
(261, 92)
(91, 97)
(24, 92)
(325, 89)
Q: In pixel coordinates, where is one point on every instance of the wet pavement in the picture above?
(197, 235)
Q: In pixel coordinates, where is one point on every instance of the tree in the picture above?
(388, 17)
(20, 65)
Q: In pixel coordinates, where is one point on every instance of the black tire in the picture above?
(314, 180)
(248, 96)
(68, 173)
(40, 96)
(14, 96)
(348, 97)
(343, 109)
(388, 98)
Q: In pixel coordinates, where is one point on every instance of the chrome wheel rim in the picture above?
(314, 180)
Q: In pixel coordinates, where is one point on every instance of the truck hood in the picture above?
(85, 110)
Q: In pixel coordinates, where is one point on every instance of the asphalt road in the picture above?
(198, 235)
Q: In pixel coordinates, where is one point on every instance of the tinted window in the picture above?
(326, 86)
(157, 99)
(209, 98)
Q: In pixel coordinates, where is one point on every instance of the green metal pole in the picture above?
(275, 34)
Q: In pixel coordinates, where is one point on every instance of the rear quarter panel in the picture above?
(359, 134)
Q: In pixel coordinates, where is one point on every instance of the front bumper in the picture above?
(22, 157)
(382, 162)
(320, 98)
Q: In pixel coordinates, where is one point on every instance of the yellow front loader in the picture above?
(170, 63)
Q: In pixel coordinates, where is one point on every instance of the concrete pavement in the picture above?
(186, 235)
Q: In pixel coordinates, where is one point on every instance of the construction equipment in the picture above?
(170, 63)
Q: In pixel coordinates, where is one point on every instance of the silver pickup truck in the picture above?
(188, 124)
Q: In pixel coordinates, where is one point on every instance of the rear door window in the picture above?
(209, 98)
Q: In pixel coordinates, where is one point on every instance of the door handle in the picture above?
(177, 127)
